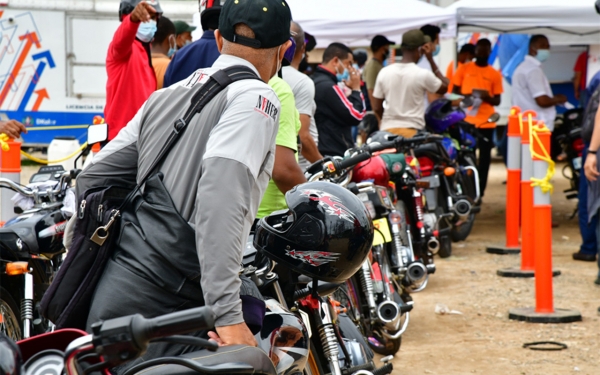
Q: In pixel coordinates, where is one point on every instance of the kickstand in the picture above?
(574, 213)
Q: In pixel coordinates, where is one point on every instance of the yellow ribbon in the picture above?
(5, 147)
(543, 183)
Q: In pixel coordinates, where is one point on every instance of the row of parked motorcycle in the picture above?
(421, 195)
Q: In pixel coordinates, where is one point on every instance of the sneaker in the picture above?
(584, 257)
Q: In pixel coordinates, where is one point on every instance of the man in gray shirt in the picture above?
(304, 94)
(216, 174)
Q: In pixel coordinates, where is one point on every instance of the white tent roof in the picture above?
(356, 22)
(563, 21)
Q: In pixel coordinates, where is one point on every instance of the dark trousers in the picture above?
(589, 243)
(485, 147)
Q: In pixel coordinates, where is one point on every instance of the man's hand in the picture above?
(427, 49)
(237, 334)
(354, 81)
(143, 12)
(12, 128)
(560, 98)
(590, 168)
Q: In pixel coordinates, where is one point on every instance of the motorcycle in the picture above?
(568, 136)
(31, 249)
(451, 169)
(376, 297)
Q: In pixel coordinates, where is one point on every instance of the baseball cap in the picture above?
(269, 20)
(379, 41)
(413, 39)
(127, 6)
(182, 27)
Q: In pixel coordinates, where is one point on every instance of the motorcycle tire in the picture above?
(11, 323)
(461, 232)
(445, 247)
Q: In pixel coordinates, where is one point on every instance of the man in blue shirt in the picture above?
(196, 55)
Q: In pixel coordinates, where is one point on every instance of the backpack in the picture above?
(100, 228)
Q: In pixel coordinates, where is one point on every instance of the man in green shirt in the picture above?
(286, 170)
(380, 46)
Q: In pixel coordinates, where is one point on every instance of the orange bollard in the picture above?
(10, 168)
(513, 190)
(527, 253)
(542, 215)
(542, 171)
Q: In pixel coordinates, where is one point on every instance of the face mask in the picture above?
(386, 54)
(542, 55)
(437, 50)
(187, 42)
(278, 62)
(355, 66)
(344, 76)
(172, 49)
(146, 31)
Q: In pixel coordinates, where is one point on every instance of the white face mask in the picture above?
(279, 63)
(146, 31)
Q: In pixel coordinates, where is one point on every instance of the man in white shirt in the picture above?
(403, 86)
(304, 94)
(530, 86)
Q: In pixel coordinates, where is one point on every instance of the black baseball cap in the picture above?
(379, 41)
(269, 20)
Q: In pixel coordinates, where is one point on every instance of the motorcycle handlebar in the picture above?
(143, 330)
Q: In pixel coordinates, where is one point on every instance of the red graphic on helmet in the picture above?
(314, 258)
(332, 204)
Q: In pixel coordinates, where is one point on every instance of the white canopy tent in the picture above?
(356, 22)
(563, 21)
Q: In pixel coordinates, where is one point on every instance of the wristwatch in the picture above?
(592, 152)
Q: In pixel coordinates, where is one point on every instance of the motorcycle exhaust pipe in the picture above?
(462, 209)
(416, 272)
(389, 314)
(433, 245)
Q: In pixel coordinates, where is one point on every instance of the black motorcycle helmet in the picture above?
(326, 233)
(127, 6)
(11, 362)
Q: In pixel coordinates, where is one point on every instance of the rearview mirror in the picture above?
(97, 134)
(495, 117)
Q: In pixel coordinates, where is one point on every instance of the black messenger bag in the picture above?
(112, 217)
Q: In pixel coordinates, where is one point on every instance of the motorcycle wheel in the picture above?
(445, 241)
(10, 324)
(461, 232)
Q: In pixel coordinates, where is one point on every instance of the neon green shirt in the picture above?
(287, 136)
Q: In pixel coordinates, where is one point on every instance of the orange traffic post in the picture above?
(513, 189)
(542, 172)
(10, 168)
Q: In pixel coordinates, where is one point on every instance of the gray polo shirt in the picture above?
(216, 174)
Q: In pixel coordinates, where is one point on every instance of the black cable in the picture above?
(556, 345)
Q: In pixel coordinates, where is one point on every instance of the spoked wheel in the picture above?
(9, 316)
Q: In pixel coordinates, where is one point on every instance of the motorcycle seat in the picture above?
(257, 361)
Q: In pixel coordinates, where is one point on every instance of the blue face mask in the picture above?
(542, 55)
(172, 49)
(437, 50)
(344, 76)
(146, 31)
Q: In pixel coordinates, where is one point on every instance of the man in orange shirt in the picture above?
(483, 84)
(163, 47)
(466, 54)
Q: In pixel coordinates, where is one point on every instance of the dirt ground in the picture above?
(483, 340)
